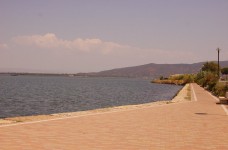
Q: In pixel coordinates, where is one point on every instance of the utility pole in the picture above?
(218, 63)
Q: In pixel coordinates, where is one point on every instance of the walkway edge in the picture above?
(217, 100)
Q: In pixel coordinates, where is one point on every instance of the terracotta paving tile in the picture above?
(191, 125)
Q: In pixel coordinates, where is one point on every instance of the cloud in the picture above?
(83, 55)
(3, 46)
(51, 41)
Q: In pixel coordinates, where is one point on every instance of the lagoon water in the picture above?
(35, 95)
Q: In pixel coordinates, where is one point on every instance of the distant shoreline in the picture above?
(62, 75)
(176, 82)
(69, 75)
(149, 71)
(36, 74)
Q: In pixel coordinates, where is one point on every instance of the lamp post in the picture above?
(218, 50)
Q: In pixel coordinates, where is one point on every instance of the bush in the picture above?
(206, 79)
(182, 79)
(220, 89)
(224, 71)
(188, 78)
(209, 79)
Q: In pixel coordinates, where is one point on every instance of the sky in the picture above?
(72, 36)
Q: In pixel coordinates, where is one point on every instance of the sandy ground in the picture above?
(183, 96)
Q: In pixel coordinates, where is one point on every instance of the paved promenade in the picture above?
(199, 124)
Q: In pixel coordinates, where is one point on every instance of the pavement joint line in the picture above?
(194, 94)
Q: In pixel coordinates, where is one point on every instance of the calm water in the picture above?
(33, 95)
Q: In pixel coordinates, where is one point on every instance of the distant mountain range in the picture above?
(151, 70)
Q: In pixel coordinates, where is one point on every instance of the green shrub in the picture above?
(220, 89)
(208, 78)
(188, 78)
(182, 78)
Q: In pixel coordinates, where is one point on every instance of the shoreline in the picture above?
(184, 95)
(168, 81)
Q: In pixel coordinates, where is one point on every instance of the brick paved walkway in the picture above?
(191, 125)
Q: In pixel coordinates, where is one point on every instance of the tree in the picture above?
(209, 79)
(161, 78)
(224, 71)
(208, 76)
(210, 67)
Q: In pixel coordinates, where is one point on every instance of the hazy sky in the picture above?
(72, 36)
